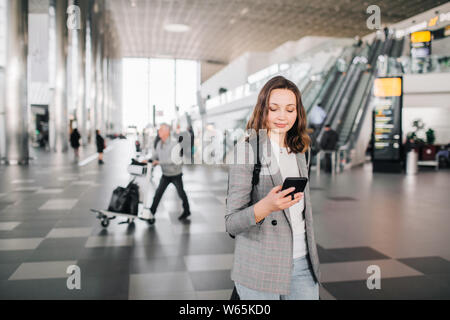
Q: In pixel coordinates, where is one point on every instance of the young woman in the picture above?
(275, 252)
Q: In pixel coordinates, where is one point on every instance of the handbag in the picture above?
(125, 200)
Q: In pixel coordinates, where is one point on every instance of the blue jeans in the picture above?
(303, 285)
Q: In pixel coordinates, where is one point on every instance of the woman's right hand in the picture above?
(275, 200)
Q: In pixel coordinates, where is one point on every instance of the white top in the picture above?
(289, 168)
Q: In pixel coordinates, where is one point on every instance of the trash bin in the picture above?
(412, 159)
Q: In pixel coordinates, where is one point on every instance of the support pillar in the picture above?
(60, 102)
(16, 71)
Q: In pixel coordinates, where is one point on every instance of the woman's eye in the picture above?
(273, 110)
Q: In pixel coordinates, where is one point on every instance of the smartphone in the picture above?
(298, 183)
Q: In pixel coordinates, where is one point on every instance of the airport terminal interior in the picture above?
(87, 87)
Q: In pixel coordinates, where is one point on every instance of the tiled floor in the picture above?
(398, 224)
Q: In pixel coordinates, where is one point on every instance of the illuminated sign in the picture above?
(433, 21)
(421, 36)
(388, 87)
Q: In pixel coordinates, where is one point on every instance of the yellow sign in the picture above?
(421, 36)
(433, 21)
(388, 87)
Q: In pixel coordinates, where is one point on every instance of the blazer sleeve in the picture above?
(240, 215)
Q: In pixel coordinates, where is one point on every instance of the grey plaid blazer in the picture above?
(263, 251)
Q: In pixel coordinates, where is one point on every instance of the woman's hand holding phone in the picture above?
(276, 200)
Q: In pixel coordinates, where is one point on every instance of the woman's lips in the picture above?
(280, 125)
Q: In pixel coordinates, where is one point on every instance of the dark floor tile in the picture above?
(163, 264)
(211, 243)
(349, 254)
(31, 233)
(105, 288)
(104, 267)
(7, 269)
(402, 288)
(428, 265)
(156, 251)
(107, 253)
(420, 287)
(42, 289)
(52, 289)
(355, 290)
(55, 254)
(324, 255)
(18, 256)
(442, 279)
(211, 280)
(62, 243)
(4, 204)
(36, 224)
(74, 220)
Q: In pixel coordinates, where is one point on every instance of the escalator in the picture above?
(327, 88)
(319, 87)
(347, 118)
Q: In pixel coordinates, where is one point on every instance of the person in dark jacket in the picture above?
(75, 142)
(329, 143)
(191, 133)
(100, 146)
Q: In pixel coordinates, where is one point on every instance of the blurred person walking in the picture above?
(317, 117)
(75, 142)
(165, 150)
(329, 142)
(101, 145)
(192, 137)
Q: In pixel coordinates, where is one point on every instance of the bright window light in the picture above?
(148, 82)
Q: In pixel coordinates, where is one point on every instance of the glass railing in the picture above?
(431, 64)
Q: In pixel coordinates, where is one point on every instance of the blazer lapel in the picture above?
(301, 163)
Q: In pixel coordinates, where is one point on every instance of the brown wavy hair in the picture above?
(297, 138)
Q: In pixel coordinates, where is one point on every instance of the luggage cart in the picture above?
(141, 175)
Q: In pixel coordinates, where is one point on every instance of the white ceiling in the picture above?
(222, 30)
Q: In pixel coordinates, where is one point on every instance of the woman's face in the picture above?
(282, 111)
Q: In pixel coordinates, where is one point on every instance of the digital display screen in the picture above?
(387, 119)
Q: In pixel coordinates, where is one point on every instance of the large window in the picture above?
(187, 84)
(164, 83)
(135, 93)
(162, 88)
